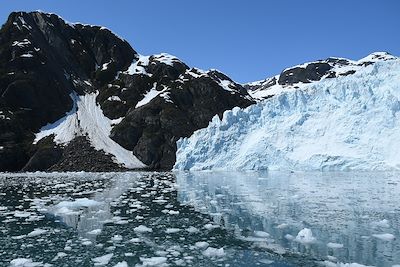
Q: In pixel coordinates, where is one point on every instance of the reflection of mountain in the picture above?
(338, 207)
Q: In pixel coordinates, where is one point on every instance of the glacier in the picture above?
(344, 123)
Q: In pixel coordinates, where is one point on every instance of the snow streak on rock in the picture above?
(87, 119)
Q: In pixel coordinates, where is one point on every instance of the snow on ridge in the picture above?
(87, 119)
(267, 88)
(348, 122)
(138, 66)
(166, 58)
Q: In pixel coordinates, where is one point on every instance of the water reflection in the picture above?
(354, 217)
(135, 219)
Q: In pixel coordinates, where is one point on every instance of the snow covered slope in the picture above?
(87, 119)
(344, 122)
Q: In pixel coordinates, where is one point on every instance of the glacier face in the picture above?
(344, 123)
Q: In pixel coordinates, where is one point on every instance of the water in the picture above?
(199, 219)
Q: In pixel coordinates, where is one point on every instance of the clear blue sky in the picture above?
(248, 40)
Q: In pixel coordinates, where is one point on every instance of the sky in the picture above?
(248, 40)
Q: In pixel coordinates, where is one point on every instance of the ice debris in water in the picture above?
(214, 252)
(305, 236)
(154, 261)
(102, 260)
(142, 229)
(384, 237)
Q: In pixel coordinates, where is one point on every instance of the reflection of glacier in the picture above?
(346, 208)
(89, 215)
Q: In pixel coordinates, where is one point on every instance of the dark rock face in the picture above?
(312, 72)
(43, 60)
(187, 100)
(46, 153)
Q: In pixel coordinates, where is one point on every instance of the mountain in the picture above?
(334, 114)
(78, 97)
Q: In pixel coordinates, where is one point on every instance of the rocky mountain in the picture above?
(77, 97)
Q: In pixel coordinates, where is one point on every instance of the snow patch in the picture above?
(153, 93)
(166, 59)
(138, 66)
(87, 119)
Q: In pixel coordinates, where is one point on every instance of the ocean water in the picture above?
(200, 219)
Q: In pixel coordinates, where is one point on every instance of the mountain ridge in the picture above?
(86, 80)
(72, 86)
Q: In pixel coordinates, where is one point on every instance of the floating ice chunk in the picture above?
(201, 244)
(305, 236)
(383, 223)
(266, 261)
(78, 203)
(18, 237)
(59, 256)
(121, 264)
(192, 230)
(142, 229)
(153, 261)
(385, 237)
(116, 238)
(334, 245)
(172, 230)
(86, 242)
(65, 210)
(21, 214)
(282, 226)
(24, 262)
(214, 252)
(210, 226)
(261, 234)
(340, 264)
(102, 260)
(173, 212)
(94, 232)
(37, 232)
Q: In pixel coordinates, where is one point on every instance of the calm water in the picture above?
(200, 219)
